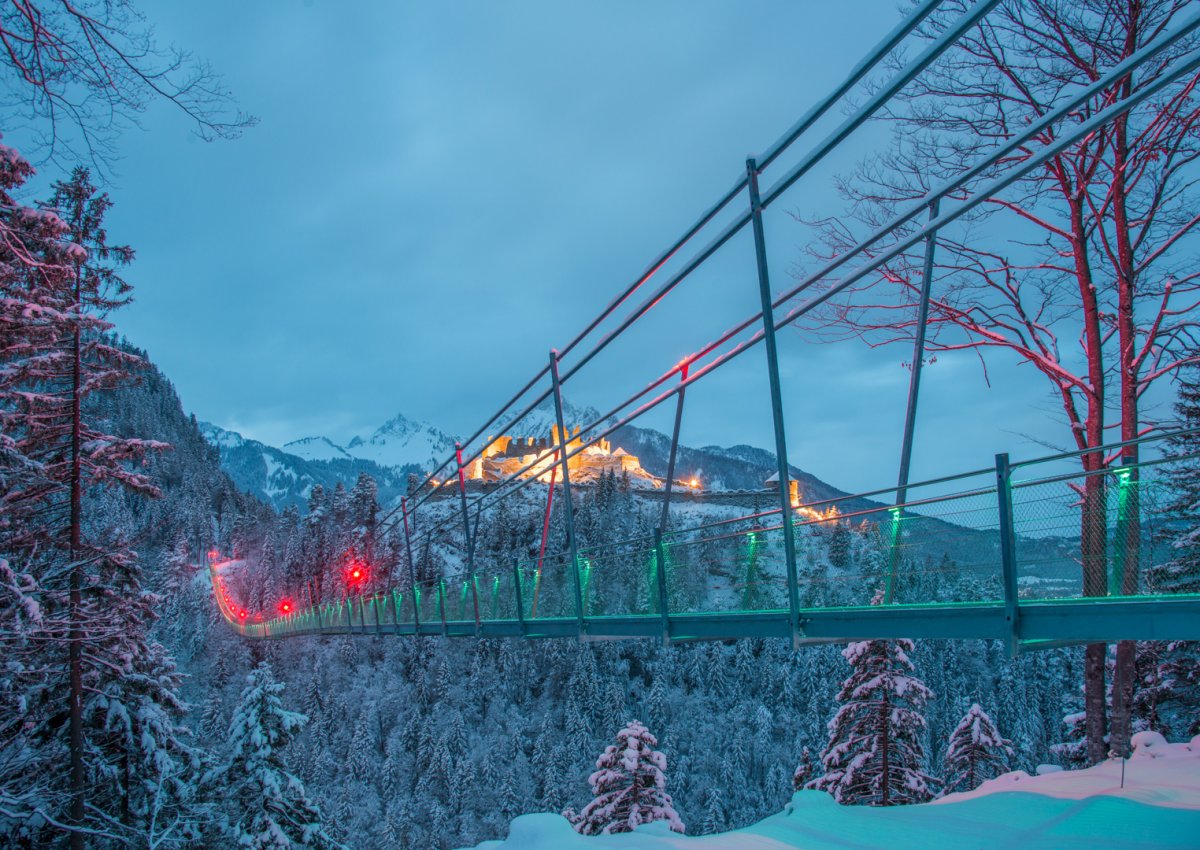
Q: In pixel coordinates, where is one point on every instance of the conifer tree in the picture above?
(267, 808)
(875, 754)
(976, 753)
(629, 786)
(1168, 687)
(60, 464)
(1181, 572)
(714, 814)
(804, 770)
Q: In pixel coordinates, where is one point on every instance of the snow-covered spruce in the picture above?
(629, 787)
(977, 752)
(1181, 574)
(267, 807)
(874, 755)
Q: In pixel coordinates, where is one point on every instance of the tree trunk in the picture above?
(75, 632)
(1093, 517)
(1093, 700)
(1094, 539)
(885, 745)
(1129, 524)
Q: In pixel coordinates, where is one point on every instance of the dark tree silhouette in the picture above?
(80, 71)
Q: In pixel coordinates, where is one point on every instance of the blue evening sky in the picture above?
(438, 193)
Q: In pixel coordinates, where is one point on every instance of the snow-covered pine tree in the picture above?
(20, 620)
(1072, 750)
(1167, 697)
(141, 767)
(714, 813)
(1181, 573)
(58, 362)
(875, 753)
(977, 752)
(267, 808)
(804, 770)
(1170, 691)
(629, 786)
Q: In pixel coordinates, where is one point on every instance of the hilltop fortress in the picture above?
(506, 455)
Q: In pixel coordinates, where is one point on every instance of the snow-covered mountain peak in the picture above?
(220, 437)
(316, 448)
(401, 441)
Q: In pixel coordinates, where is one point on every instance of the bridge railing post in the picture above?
(469, 539)
(412, 568)
(568, 501)
(768, 316)
(517, 593)
(312, 601)
(664, 611)
(670, 482)
(910, 413)
(1008, 552)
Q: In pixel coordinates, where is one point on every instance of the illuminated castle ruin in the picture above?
(504, 456)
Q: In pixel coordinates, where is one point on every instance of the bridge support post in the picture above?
(768, 314)
(412, 568)
(313, 603)
(910, 414)
(660, 556)
(1008, 552)
(568, 502)
(442, 605)
(469, 539)
(520, 600)
(666, 507)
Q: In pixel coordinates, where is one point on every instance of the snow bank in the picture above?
(1158, 807)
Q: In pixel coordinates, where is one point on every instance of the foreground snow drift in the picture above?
(1158, 807)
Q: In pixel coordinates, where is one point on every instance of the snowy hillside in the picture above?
(1156, 804)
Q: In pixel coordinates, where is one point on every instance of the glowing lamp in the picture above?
(285, 607)
(242, 615)
(356, 573)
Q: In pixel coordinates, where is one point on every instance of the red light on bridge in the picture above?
(241, 615)
(285, 607)
(357, 574)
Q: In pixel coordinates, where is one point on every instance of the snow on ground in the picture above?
(1158, 807)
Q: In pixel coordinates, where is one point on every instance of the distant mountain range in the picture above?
(285, 475)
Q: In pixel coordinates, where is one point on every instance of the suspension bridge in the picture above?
(1057, 550)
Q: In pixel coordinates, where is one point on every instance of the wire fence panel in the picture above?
(1106, 534)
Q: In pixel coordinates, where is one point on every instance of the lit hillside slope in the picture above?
(1159, 807)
